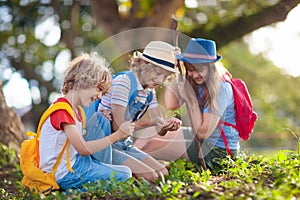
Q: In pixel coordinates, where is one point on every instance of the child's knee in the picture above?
(124, 174)
(153, 145)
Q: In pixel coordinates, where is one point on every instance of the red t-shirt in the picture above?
(59, 117)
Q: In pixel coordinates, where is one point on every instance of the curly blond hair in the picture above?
(142, 67)
(87, 71)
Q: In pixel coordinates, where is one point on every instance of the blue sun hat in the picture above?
(200, 50)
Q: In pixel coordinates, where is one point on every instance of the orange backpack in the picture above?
(34, 178)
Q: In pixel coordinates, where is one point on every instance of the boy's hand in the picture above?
(172, 124)
(126, 129)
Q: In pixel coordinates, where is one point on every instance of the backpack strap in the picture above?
(149, 97)
(133, 85)
(50, 110)
(46, 114)
(66, 146)
(224, 136)
(133, 88)
(83, 119)
(227, 78)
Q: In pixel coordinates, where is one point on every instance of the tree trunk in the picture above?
(11, 127)
(111, 22)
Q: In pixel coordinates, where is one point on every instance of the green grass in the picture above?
(251, 177)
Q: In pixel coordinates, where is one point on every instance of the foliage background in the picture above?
(81, 25)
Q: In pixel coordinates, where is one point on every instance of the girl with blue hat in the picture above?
(208, 99)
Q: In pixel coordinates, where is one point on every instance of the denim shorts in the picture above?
(88, 170)
(123, 149)
(99, 127)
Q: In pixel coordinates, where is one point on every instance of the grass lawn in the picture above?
(251, 177)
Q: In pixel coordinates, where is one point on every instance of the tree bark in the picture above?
(109, 19)
(11, 128)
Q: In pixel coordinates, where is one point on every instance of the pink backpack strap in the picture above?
(224, 136)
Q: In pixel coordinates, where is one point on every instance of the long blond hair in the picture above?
(86, 71)
(211, 86)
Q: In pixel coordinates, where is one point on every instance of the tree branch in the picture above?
(223, 34)
(160, 16)
(108, 18)
(106, 15)
(67, 35)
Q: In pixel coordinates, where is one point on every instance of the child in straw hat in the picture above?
(150, 69)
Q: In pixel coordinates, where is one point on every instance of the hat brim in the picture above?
(138, 54)
(197, 60)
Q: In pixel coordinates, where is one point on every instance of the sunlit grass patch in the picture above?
(249, 177)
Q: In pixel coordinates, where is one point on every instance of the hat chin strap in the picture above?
(159, 61)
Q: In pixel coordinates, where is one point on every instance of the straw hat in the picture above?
(160, 54)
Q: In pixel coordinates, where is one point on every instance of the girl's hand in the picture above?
(126, 129)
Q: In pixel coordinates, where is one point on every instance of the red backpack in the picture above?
(245, 117)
